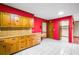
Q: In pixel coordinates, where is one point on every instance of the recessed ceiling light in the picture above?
(60, 13)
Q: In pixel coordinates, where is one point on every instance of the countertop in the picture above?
(2, 37)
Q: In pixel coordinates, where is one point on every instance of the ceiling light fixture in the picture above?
(60, 13)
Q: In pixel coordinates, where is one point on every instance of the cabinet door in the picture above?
(0, 18)
(12, 20)
(22, 43)
(15, 20)
(31, 22)
(2, 50)
(29, 41)
(20, 21)
(25, 22)
(5, 20)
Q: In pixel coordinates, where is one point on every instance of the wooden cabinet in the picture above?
(28, 41)
(43, 35)
(13, 20)
(31, 22)
(0, 18)
(5, 19)
(2, 50)
(36, 39)
(22, 43)
(15, 44)
(9, 46)
(25, 22)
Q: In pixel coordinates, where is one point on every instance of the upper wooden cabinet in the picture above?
(5, 19)
(31, 22)
(25, 22)
(13, 20)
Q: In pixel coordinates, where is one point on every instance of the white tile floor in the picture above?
(52, 47)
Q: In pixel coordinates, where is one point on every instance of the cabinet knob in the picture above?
(1, 40)
(16, 20)
(4, 46)
(13, 39)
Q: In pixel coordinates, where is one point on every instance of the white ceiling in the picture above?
(47, 10)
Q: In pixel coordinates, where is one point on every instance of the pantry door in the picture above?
(50, 29)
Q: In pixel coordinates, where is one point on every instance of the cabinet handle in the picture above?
(13, 39)
(22, 47)
(4, 46)
(16, 20)
(11, 44)
(2, 41)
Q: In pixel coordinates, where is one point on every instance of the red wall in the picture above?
(56, 27)
(5, 8)
(56, 30)
(37, 25)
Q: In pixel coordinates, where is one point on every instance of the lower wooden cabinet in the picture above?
(2, 50)
(28, 41)
(22, 43)
(11, 48)
(6, 48)
(15, 44)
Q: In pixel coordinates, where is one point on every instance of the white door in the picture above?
(64, 31)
